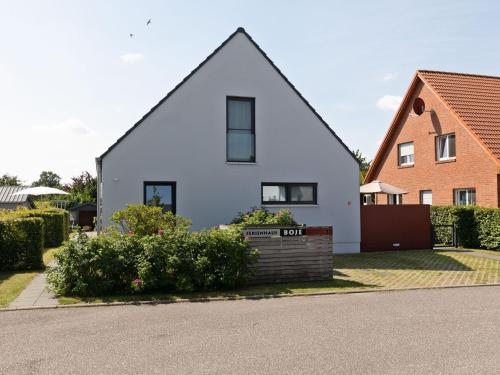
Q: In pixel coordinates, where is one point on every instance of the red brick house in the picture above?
(443, 146)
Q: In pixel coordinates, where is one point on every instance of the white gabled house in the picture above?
(234, 134)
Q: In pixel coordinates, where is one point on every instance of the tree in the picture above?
(48, 178)
(364, 164)
(8, 180)
(82, 189)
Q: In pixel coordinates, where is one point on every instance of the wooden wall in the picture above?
(289, 259)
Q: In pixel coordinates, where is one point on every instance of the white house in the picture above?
(234, 134)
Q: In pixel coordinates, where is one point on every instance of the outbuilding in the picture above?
(9, 201)
(83, 215)
(234, 134)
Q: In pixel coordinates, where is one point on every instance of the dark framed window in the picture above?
(240, 129)
(160, 194)
(289, 193)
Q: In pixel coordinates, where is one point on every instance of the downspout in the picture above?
(98, 163)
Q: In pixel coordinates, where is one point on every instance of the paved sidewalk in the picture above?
(36, 294)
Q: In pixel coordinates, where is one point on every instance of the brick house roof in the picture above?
(473, 99)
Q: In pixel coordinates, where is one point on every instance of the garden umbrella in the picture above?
(380, 187)
(41, 190)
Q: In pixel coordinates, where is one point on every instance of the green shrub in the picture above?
(257, 216)
(176, 260)
(21, 244)
(476, 226)
(56, 223)
(145, 220)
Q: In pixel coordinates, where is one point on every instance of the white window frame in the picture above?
(447, 137)
(422, 192)
(411, 156)
(394, 199)
(469, 194)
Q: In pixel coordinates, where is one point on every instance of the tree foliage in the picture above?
(8, 180)
(364, 165)
(48, 178)
(82, 189)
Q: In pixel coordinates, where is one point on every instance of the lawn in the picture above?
(359, 272)
(12, 283)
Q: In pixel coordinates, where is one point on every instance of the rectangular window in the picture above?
(160, 194)
(426, 197)
(394, 199)
(240, 129)
(406, 154)
(289, 193)
(445, 147)
(465, 197)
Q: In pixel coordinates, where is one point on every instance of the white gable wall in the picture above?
(184, 140)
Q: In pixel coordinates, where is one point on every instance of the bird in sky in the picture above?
(131, 35)
(149, 21)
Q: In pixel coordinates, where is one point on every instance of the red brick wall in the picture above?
(473, 167)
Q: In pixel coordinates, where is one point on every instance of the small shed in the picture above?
(83, 215)
(9, 201)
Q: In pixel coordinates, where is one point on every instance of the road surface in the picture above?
(446, 331)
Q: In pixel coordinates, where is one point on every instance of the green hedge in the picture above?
(56, 223)
(477, 227)
(21, 244)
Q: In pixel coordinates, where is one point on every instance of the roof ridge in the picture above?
(457, 73)
(195, 70)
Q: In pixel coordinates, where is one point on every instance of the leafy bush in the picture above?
(56, 223)
(257, 216)
(476, 226)
(145, 220)
(21, 244)
(176, 260)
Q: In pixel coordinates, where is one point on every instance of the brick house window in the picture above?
(426, 197)
(445, 147)
(465, 197)
(406, 154)
(394, 199)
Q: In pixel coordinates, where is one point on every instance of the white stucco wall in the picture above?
(184, 140)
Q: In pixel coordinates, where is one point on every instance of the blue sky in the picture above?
(72, 80)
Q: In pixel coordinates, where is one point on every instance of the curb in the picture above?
(235, 298)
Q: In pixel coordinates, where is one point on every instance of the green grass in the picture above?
(357, 272)
(13, 283)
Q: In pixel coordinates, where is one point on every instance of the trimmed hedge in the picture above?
(21, 244)
(56, 223)
(477, 227)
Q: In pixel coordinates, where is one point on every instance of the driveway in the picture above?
(446, 331)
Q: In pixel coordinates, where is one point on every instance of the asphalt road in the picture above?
(447, 331)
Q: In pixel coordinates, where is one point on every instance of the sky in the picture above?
(72, 80)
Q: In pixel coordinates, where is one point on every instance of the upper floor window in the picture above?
(160, 194)
(445, 147)
(240, 129)
(406, 154)
(289, 193)
(465, 197)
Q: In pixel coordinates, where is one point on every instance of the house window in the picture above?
(426, 197)
(289, 193)
(240, 123)
(406, 154)
(465, 197)
(394, 198)
(160, 194)
(445, 147)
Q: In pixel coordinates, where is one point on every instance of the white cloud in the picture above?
(389, 102)
(72, 126)
(389, 77)
(131, 58)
